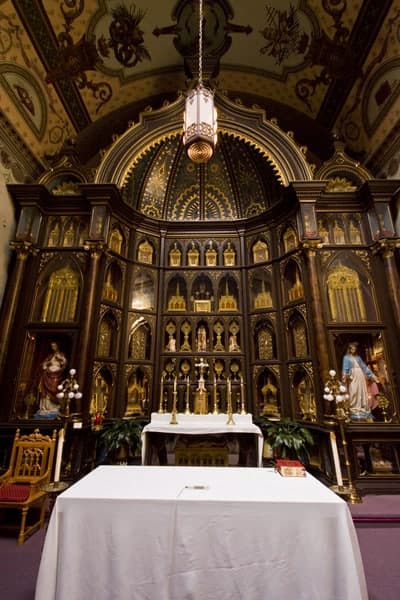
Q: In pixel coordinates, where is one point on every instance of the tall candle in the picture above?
(175, 384)
(60, 445)
(161, 408)
(336, 461)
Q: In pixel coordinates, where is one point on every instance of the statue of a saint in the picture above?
(201, 339)
(355, 374)
(53, 368)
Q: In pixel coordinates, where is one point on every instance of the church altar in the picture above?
(172, 533)
(203, 426)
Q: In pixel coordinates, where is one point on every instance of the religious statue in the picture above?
(53, 368)
(201, 344)
(355, 373)
(270, 399)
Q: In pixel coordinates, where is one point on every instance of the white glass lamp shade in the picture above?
(200, 125)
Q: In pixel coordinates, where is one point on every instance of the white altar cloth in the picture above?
(185, 533)
(202, 425)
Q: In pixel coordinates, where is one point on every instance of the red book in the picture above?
(290, 468)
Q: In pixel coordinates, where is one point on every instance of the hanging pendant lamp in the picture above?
(200, 118)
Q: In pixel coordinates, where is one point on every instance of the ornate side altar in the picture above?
(202, 440)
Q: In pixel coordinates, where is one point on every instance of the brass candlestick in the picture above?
(187, 405)
(174, 420)
(230, 420)
(242, 403)
(161, 408)
(215, 407)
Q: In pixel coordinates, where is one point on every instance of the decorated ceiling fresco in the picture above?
(76, 72)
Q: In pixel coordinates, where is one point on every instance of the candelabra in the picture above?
(335, 391)
(68, 391)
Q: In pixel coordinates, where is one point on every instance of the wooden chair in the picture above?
(21, 486)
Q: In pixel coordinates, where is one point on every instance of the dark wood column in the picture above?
(321, 341)
(10, 304)
(386, 249)
(89, 317)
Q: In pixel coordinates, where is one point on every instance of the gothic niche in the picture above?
(175, 255)
(338, 233)
(349, 292)
(304, 396)
(117, 241)
(100, 396)
(268, 394)
(137, 392)
(70, 233)
(176, 294)
(371, 349)
(193, 255)
(234, 337)
(293, 284)
(264, 342)
(260, 251)
(112, 284)
(202, 337)
(289, 239)
(219, 337)
(45, 360)
(142, 297)
(170, 337)
(145, 252)
(202, 297)
(298, 339)
(229, 255)
(61, 295)
(227, 295)
(261, 291)
(211, 255)
(140, 340)
(106, 340)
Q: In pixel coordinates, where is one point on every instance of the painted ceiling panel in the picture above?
(330, 62)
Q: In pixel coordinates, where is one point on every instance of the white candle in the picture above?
(336, 461)
(60, 445)
(175, 384)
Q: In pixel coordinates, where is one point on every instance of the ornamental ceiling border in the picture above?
(251, 125)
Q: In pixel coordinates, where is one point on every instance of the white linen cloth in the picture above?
(202, 425)
(199, 533)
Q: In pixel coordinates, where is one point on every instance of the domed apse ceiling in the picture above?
(237, 183)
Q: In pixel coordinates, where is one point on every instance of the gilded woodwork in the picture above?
(260, 252)
(116, 240)
(61, 297)
(346, 301)
(145, 253)
(175, 256)
(211, 256)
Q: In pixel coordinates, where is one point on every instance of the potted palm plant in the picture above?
(122, 439)
(287, 438)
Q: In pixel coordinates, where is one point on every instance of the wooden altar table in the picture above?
(173, 533)
(202, 426)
